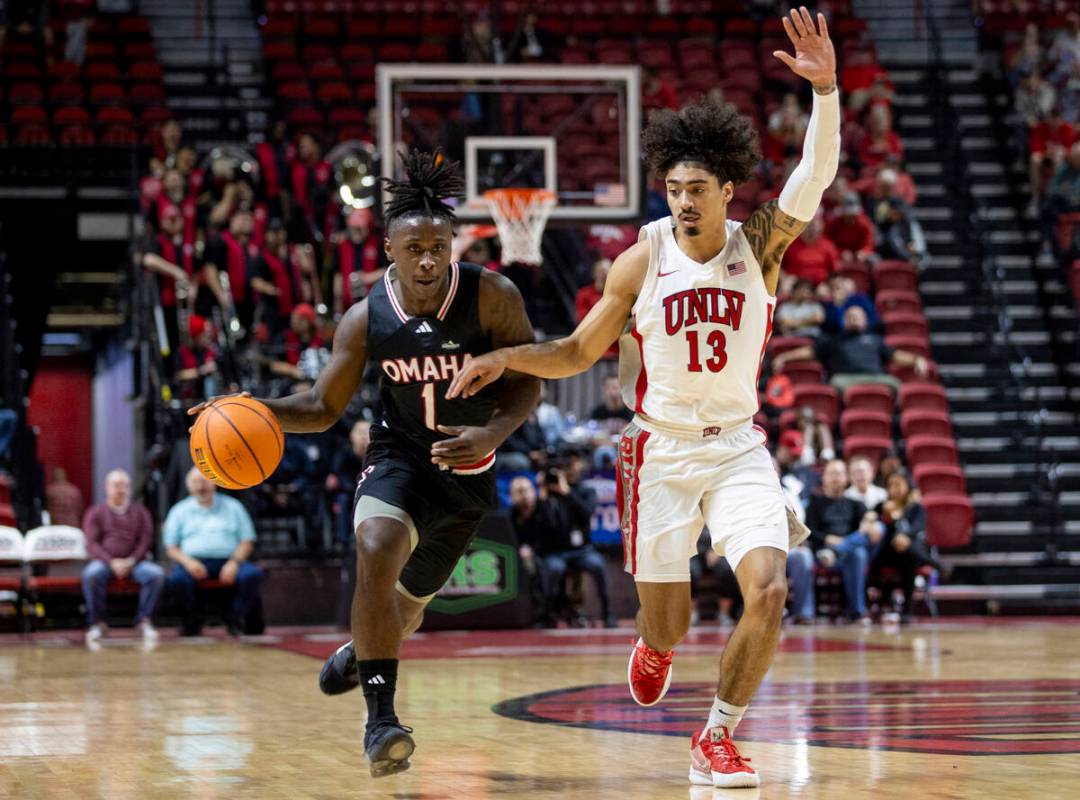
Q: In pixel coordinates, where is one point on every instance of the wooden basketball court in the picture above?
(969, 709)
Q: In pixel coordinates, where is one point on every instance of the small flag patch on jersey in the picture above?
(738, 268)
(610, 194)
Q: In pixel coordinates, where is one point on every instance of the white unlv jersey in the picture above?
(689, 365)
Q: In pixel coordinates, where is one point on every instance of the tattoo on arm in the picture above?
(769, 231)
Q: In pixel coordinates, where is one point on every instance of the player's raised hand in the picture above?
(477, 373)
(814, 57)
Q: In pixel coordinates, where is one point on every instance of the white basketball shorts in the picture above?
(669, 488)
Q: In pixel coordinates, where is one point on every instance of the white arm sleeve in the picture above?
(821, 156)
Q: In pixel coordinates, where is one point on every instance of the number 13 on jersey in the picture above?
(715, 340)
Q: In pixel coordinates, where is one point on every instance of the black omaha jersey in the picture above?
(418, 357)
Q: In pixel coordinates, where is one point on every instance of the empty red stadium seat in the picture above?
(950, 520)
(855, 423)
(919, 422)
(869, 397)
(432, 52)
(869, 447)
(133, 27)
(362, 28)
(100, 51)
(119, 136)
(401, 27)
(107, 94)
(804, 371)
(295, 92)
(904, 323)
(897, 300)
(145, 71)
(26, 94)
(29, 115)
(145, 94)
(102, 71)
(71, 116)
(305, 117)
(114, 115)
(67, 93)
(140, 51)
(346, 115)
(33, 135)
(358, 52)
(326, 71)
(286, 72)
(334, 93)
(781, 344)
(907, 374)
(825, 401)
(926, 396)
(63, 71)
(22, 70)
(931, 450)
(279, 51)
(76, 136)
(322, 28)
(900, 275)
(940, 479)
(155, 115)
(909, 344)
(395, 51)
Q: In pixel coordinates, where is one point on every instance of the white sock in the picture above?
(725, 714)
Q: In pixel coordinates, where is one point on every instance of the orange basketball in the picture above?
(236, 442)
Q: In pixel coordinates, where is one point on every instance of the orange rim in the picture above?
(513, 199)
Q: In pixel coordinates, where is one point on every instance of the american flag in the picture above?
(610, 194)
(738, 268)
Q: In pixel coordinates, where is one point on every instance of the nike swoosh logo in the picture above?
(665, 274)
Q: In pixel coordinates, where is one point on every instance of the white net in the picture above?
(520, 216)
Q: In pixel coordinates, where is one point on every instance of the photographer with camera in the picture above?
(552, 528)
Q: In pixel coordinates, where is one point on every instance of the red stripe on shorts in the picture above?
(639, 457)
(631, 456)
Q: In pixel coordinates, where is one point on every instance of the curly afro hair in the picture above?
(430, 179)
(712, 134)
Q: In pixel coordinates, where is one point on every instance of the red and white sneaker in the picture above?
(648, 673)
(715, 761)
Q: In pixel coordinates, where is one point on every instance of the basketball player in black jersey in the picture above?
(427, 480)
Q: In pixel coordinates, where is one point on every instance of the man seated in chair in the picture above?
(553, 530)
(119, 534)
(209, 535)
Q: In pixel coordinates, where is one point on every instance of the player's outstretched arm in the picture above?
(323, 404)
(578, 351)
(774, 226)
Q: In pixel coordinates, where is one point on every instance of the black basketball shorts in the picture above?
(443, 511)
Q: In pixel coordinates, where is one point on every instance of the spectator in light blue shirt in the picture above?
(210, 536)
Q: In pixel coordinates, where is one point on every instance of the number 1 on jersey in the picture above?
(427, 396)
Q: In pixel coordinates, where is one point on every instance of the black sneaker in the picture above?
(388, 746)
(339, 673)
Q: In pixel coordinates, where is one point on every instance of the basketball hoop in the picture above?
(520, 216)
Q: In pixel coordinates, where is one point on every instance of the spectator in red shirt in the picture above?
(589, 295)
(359, 261)
(119, 534)
(301, 336)
(880, 140)
(198, 361)
(851, 231)
(1050, 140)
(656, 92)
(812, 256)
(886, 180)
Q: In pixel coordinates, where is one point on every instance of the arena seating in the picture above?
(115, 98)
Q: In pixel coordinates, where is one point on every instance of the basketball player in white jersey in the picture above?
(699, 292)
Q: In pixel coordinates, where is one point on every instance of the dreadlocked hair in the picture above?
(709, 133)
(430, 179)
